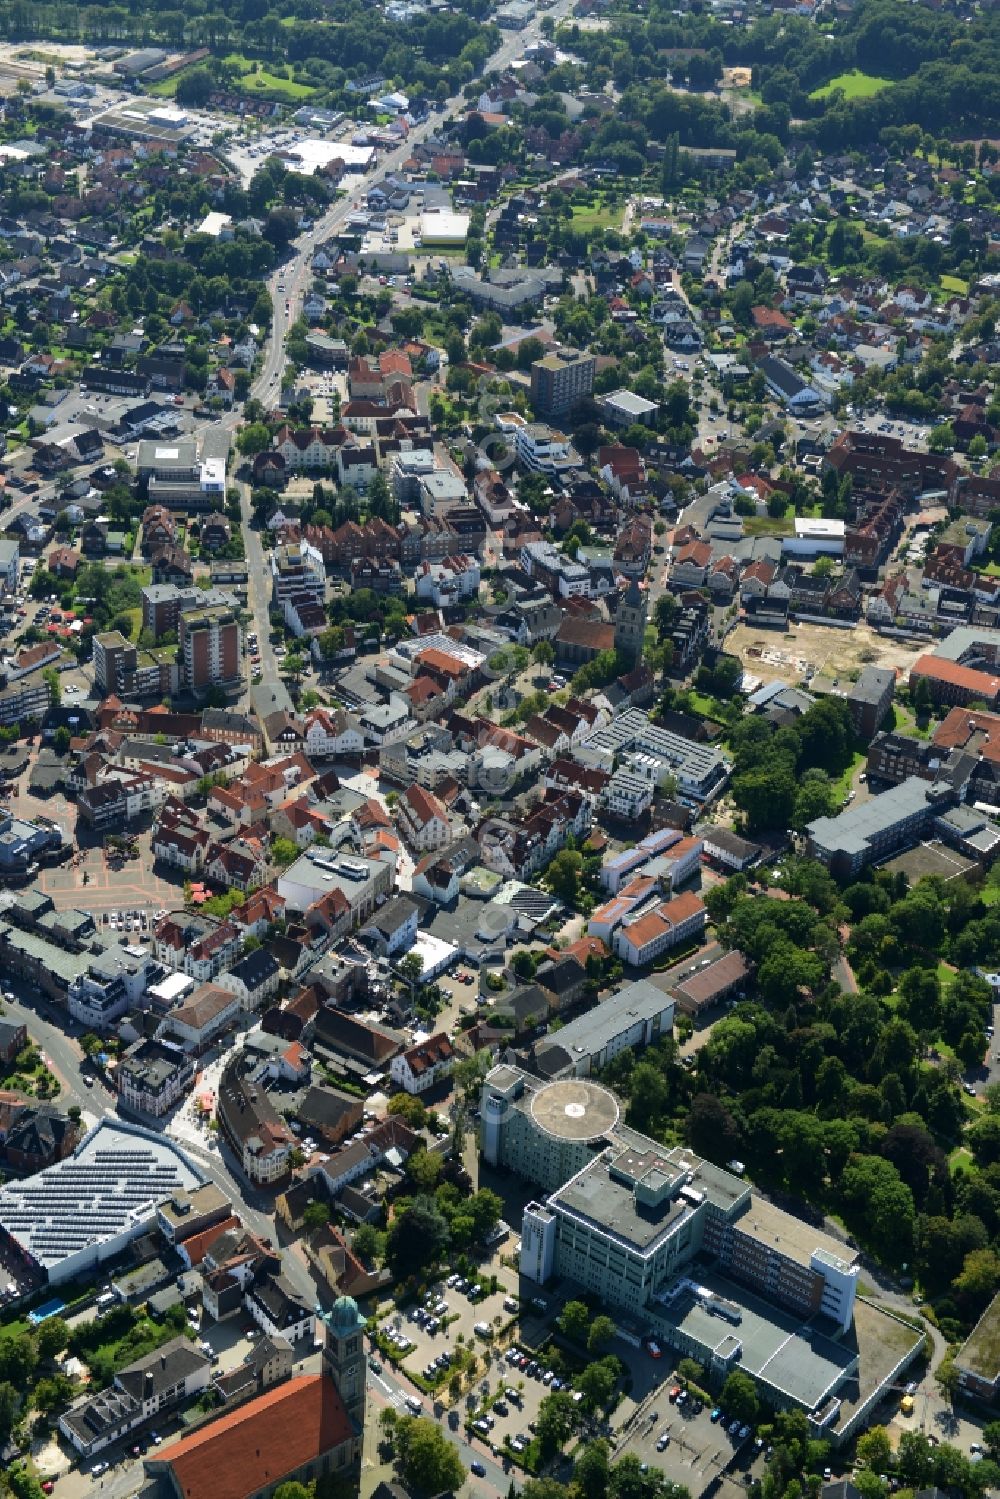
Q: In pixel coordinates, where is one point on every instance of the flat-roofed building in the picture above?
(871, 830)
(560, 379)
(978, 1360)
(189, 1212)
(687, 1251)
(638, 1015)
(84, 1210)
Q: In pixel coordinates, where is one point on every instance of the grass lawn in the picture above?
(597, 217)
(263, 82)
(855, 85)
(903, 722)
(955, 284)
(707, 706)
(960, 1157)
(842, 785)
(766, 525)
(945, 974)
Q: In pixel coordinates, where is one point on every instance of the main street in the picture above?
(294, 275)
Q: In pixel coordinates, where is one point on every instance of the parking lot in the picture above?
(686, 1444)
(449, 1316)
(515, 1387)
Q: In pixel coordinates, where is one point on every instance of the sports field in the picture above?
(854, 85)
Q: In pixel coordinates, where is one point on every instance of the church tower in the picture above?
(344, 1356)
(630, 623)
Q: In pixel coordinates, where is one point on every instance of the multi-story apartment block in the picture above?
(560, 379)
(210, 648)
(196, 945)
(119, 798)
(872, 830)
(110, 985)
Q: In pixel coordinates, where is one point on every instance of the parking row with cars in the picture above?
(534, 1369)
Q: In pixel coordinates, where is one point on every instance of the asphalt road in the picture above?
(294, 275)
(49, 1028)
(388, 1388)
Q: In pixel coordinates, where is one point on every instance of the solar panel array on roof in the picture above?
(111, 1185)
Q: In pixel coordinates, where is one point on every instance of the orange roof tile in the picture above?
(255, 1446)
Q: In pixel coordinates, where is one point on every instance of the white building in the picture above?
(450, 581)
(543, 450)
(254, 979)
(423, 819)
(385, 723)
(642, 938)
(109, 987)
(279, 1311)
(420, 1068)
(331, 734)
(629, 796)
(151, 1387)
(815, 537)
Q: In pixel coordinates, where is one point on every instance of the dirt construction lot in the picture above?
(828, 651)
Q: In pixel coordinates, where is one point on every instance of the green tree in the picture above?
(602, 1332)
(591, 1471)
(283, 852)
(424, 1169)
(315, 1217)
(51, 1337)
(418, 1237)
(597, 1383)
(367, 1242)
(556, 1420)
(253, 438)
(411, 969)
(881, 1206)
(739, 1397)
(428, 1461)
(563, 875)
(941, 438)
(410, 1108)
(485, 1208)
(10, 1403)
(874, 1449)
(574, 1321)
(543, 653)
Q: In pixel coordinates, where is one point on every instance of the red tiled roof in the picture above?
(258, 1444)
(936, 668)
(196, 1246)
(423, 805)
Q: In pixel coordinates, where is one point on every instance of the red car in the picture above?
(48, 1486)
